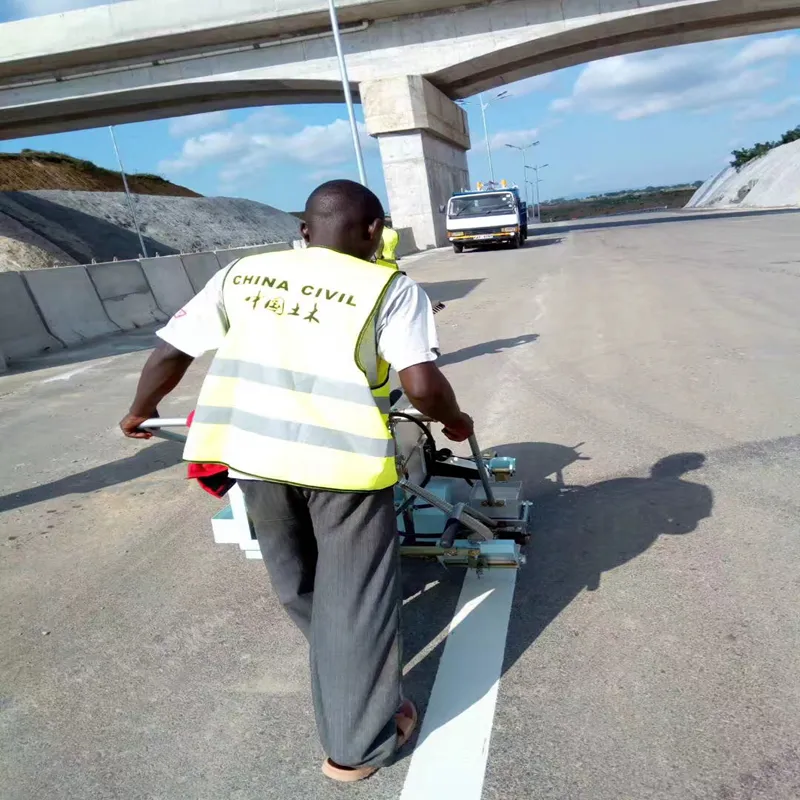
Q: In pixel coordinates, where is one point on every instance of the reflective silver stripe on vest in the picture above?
(299, 432)
(297, 382)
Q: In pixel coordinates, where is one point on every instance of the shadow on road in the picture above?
(144, 462)
(542, 240)
(486, 348)
(445, 291)
(580, 532)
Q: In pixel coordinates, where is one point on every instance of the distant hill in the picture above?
(31, 170)
(56, 210)
(624, 202)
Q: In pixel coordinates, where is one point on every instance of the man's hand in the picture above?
(130, 426)
(431, 393)
(462, 430)
(161, 374)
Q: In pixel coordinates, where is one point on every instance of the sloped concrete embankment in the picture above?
(772, 181)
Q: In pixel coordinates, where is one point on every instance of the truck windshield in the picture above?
(482, 205)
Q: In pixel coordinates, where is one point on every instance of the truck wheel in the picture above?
(458, 248)
(516, 241)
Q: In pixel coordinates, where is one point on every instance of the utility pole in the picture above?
(536, 183)
(523, 150)
(484, 104)
(127, 191)
(348, 96)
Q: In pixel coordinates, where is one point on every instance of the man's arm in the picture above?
(407, 340)
(430, 392)
(161, 374)
(198, 327)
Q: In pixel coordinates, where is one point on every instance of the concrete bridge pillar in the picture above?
(423, 138)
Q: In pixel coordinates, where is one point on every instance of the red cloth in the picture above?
(213, 478)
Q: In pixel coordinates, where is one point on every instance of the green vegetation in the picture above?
(627, 201)
(32, 170)
(747, 154)
(76, 163)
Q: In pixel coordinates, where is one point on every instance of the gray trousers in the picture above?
(334, 563)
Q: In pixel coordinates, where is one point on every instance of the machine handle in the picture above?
(477, 456)
(164, 422)
(449, 533)
(157, 424)
(482, 471)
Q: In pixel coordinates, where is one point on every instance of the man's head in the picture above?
(343, 216)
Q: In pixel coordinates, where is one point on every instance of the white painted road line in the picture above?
(449, 762)
(65, 376)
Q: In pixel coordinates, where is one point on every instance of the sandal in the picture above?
(406, 720)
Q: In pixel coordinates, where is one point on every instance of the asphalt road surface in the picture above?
(648, 379)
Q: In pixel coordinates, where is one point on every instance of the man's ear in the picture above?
(374, 232)
(304, 232)
(375, 229)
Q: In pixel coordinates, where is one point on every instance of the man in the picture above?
(386, 255)
(295, 405)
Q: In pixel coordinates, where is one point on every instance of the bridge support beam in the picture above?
(423, 138)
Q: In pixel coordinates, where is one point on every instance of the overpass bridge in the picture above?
(408, 61)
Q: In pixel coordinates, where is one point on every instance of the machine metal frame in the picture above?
(456, 510)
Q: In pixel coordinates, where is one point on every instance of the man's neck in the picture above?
(331, 245)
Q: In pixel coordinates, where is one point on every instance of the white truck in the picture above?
(486, 216)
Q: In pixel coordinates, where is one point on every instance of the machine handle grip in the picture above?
(157, 425)
(449, 533)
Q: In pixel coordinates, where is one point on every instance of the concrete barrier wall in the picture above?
(225, 257)
(22, 332)
(168, 282)
(126, 294)
(69, 303)
(46, 309)
(200, 267)
(407, 243)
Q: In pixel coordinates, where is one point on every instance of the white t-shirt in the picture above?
(405, 326)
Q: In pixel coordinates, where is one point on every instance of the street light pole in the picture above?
(484, 104)
(538, 205)
(348, 96)
(523, 150)
(127, 191)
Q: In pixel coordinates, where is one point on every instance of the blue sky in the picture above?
(661, 117)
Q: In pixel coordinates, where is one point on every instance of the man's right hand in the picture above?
(461, 430)
(130, 426)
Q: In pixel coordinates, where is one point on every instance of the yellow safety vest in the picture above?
(387, 255)
(297, 393)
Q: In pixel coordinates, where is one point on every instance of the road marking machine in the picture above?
(460, 511)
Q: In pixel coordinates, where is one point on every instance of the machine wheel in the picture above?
(458, 248)
(516, 242)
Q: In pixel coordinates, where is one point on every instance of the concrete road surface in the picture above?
(648, 379)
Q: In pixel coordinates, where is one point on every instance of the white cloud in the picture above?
(529, 85)
(765, 49)
(245, 147)
(767, 110)
(693, 77)
(329, 173)
(186, 126)
(521, 138)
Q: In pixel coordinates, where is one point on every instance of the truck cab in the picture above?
(486, 216)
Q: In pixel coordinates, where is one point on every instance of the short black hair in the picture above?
(342, 203)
